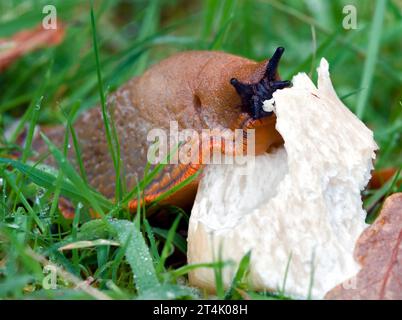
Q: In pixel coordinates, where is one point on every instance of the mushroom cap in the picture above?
(299, 204)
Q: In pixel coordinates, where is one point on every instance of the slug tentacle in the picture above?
(272, 65)
(253, 95)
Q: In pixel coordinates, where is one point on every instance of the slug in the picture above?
(199, 90)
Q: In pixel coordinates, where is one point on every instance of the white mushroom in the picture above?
(302, 200)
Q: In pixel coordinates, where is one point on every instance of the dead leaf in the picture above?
(66, 208)
(381, 177)
(89, 244)
(379, 251)
(27, 41)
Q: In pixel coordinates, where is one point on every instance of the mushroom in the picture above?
(298, 206)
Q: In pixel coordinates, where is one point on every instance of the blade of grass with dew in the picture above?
(20, 195)
(56, 195)
(168, 292)
(371, 59)
(76, 144)
(151, 239)
(74, 231)
(137, 255)
(33, 111)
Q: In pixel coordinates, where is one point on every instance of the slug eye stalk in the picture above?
(253, 95)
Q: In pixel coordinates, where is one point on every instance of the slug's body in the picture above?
(199, 90)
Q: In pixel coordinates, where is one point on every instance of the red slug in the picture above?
(199, 90)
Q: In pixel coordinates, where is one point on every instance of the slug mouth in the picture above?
(253, 95)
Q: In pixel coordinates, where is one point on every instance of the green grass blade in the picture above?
(21, 196)
(105, 113)
(178, 241)
(240, 275)
(282, 291)
(73, 176)
(218, 273)
(151, 239)
(76, 144)
(178, 187)
(372, 54)
(148, 27)
(179, 272)
(34, 119)
(167, 247)
(168, 292)
(137, 254)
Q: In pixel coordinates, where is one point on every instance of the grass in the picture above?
(371, 60)
(134, 256)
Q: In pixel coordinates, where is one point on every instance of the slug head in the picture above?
(253, 95)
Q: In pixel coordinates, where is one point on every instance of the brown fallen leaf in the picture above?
(27, 41)
(66, 208)
(381, 177)
(379, 251)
